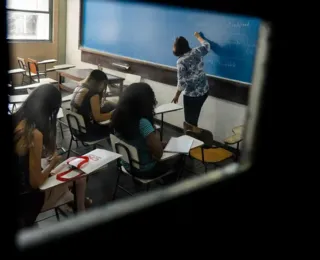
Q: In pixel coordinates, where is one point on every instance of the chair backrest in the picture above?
(187, 126)
(22, 63)
(129, 153)
(201, 134)
(76, 122)
(33, 66)
(131, 78)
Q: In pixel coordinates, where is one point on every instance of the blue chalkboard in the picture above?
(147, 32)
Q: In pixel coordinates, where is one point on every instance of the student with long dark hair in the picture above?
(34, 127)
(192, 80)
(87, 101)
(133, 122)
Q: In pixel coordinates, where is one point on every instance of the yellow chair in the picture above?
(208, 153)
(235, 139)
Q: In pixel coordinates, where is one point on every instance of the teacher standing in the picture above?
(192, 80)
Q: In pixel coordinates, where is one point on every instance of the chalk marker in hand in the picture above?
(198, 36)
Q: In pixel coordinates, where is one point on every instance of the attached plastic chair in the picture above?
(78, 131)
(131, 157)
(208, 153)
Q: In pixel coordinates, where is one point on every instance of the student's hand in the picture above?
(164, 144)
(175, 100)
(55, 160)
(197, 35)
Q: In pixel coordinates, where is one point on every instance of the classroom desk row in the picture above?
(107, 157)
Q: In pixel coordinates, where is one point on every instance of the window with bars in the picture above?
(29, 20)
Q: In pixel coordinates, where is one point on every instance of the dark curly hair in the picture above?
(137, 101)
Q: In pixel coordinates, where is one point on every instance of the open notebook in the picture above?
(178, 145)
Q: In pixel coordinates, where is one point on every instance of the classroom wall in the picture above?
(44, 50)
(218, 116)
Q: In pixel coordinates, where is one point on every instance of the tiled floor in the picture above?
(101, 184)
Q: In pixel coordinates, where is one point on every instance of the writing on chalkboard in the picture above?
(239, 24)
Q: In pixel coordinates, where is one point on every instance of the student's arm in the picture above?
(153, 141)
(36, 176)
(96, 107)
(205, 46)
(181, 74)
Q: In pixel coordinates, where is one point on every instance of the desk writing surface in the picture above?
(18, 98)
(60, 113)
(35, 85)
(196, 143)
(64, 66)
(83, 73)
(67, 98)
(167, 108)
(16, 71)
(47, 61)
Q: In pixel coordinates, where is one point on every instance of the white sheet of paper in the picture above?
(97, 159)
(177, 145)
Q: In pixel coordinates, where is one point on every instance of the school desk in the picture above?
(80, 74)
(35, 85)
(63, 66)
(14, 72)
(166, 108)
(45, 62)
(53, 182)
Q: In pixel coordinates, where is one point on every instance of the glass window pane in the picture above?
(32, 5)
(28, 26)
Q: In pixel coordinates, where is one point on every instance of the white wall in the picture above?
(218, 116)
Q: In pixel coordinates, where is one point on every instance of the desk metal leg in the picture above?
(161, 130)
(45, 70)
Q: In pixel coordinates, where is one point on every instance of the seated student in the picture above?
(87, 101)
(133, 122)
(34, 127)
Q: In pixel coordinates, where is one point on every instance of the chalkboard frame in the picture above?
(221, 88)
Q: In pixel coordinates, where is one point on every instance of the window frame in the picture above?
(50, 12)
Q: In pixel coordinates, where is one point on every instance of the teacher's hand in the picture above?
(175, 100)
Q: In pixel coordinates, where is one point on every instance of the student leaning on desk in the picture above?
(34, 135)
(133, 122)
(86, 101)
(192, 80)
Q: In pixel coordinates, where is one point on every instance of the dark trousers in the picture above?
(192, 108)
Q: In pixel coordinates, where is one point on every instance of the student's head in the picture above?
(40, 111)
(137, 101)
(97, 80)
(180, 46)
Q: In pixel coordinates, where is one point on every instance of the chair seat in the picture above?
(211, 155)
(35, 74)
(146, 181)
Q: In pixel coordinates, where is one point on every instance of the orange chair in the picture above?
(208, 153)
(33, 70)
